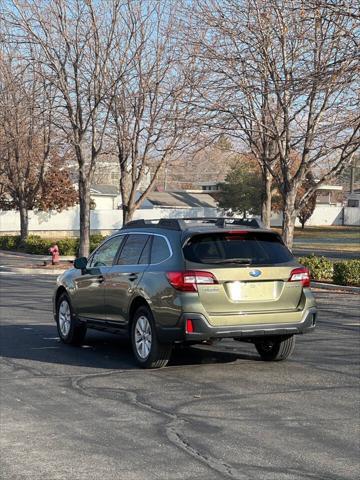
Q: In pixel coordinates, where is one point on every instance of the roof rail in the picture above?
(181, 223)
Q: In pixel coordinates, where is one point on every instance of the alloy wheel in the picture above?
(64, 318)
(143, 337)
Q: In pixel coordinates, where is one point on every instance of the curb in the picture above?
(330, 286)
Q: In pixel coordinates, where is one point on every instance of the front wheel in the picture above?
(149, 352)
(69, 329)
(275, 349)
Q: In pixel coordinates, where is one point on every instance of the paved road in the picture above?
(215, 413)
(17, 259)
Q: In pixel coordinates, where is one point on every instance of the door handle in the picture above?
(133, 276)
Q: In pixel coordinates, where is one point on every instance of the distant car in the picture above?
(188, 281)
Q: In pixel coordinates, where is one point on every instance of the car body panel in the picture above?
(121, 286)
(88, 296)
(237, 291)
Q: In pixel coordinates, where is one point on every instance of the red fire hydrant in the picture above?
(55, 254)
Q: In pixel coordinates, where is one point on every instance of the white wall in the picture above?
(100, 219)
(323, 215)
(106, 220)
(326, 215)
(352, 215)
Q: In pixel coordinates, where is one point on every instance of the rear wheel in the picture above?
(69, 329)
(275, 349)
(148, 351)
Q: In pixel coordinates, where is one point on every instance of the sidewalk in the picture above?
(31, 256)
(29, 264)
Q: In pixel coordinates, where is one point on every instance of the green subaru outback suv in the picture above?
(188, 281)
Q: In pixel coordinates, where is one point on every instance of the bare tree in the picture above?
(71, 42)
(225, 92)
(282, 74)
(151, 120)
(25, 136)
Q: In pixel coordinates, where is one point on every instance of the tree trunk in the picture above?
(84, 202)
(127, 213)
(290, 214)
(266, 199)
(124, 213)
(24, 224)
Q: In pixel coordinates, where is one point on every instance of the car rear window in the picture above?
(254, 248)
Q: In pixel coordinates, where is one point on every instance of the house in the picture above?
(352, 208)
(353, 199)
(104, 197)
(179, 199)
(330, 195)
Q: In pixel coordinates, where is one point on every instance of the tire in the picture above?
(275, 349)
(70, 330)
(148, 351)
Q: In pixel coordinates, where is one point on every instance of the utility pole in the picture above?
(165, 175)
(352, 177)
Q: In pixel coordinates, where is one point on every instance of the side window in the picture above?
(145, 255)
(160, 250)
(134, 245)
(105, 255)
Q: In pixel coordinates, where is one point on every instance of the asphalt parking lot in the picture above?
(215, 413)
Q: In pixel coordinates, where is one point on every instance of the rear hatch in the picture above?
(251, 272)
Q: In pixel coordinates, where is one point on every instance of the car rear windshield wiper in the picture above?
(241, 261)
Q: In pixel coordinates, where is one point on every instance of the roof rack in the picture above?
(169, 223)
(229, 221)
(185, 223)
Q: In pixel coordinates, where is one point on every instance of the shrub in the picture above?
(95, 240)
(68, 246)
(9, 242)
(320, 268)
(37, 245)
(347, 273)
(40, 246)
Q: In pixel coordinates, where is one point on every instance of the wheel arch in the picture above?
(59, 292)
(135, 304)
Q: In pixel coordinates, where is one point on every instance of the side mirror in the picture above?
(80, 263)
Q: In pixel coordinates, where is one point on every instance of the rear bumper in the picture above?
(204, 331)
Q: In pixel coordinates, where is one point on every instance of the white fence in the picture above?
(67, 222)
(351, 216)
(326, 215)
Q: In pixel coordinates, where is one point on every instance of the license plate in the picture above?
(240, 291)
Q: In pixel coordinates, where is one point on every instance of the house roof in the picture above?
(181, 199)
(108, 190)
(333, 188)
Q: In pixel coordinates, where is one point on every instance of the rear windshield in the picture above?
(247, 248)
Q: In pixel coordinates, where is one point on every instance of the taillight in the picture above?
(302, 275)
(189, 326)
(189, 280)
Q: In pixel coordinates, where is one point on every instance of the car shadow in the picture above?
(40, 343)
